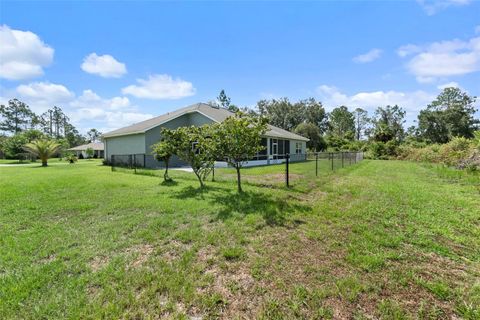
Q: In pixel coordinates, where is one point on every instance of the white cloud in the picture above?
(105, 66)
(412, 102)
(89, 110)
(90, 99)
(432, 7)
(160, 86)
(43, 95)
(23, 54)
(106, 114)
(370, 56)
(451, 84)
(442, 59)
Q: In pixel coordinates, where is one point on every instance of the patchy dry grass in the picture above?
(382, 239)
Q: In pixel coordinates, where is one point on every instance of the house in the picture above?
(133, 143)
(81, 151)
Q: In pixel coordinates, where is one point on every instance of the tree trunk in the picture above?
(199, 179)
(165, 175)
(239, 182)
(44, 163)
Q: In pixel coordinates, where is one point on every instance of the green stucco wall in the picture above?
(152, 136)
(131, 144)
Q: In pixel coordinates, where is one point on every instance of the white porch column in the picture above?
(268, 150)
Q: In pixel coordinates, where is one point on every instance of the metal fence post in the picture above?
(316, 164)
(286, 169)
(350, 158)
(342, 159)
(331, 154)
(113, 162)
(135, 163)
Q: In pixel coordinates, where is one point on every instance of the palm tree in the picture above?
(42, 149)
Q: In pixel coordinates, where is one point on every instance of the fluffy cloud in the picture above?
(442, 59)
(370, 56)
(412, 102)
(107, 114)
(431, 7)
(450, 85)
(85, 111)
(23, 54)
(161, 86)
(105, 66)
(43, 95)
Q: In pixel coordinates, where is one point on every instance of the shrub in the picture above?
(70, 157)
(382, 150)
(456, 150)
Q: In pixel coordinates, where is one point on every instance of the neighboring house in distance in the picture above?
(138, 138)
(98, 149)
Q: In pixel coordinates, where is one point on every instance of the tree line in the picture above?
(19, 125)
(451, 114)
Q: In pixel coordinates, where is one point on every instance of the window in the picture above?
(195, 148)
(274, 146)
(298, 147)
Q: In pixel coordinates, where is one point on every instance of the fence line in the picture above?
(335, 160)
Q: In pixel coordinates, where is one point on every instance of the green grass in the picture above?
(382, 239)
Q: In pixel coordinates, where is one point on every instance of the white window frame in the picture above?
(274, 147)
(298, 147)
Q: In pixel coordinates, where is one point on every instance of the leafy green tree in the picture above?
(13, 146)
(341, 123)
(282, 113)
(388, 124)
(42, 149)
(15, 117)
(73, 137)
(225, 102)
(93, 135)
(314, 113)
(239, 140)
(312, 132)
(165, 149)
(197, 147)
(361, 123)
(451, 114)
(90, 152)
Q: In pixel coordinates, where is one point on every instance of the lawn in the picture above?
(381, 239)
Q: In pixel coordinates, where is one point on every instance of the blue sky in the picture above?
(110, 64)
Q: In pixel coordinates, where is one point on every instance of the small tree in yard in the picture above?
(89, 153)
(43, 149)
(196, 146)
(239, 140)
(165, 149)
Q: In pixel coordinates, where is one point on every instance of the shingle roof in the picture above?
(93, 145)
(214, 113)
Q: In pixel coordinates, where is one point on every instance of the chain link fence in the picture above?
(280, 169)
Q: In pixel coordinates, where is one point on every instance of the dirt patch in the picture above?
(266, 179)
(48, 259)
(141, 253)
(98, 263)
(174, 249)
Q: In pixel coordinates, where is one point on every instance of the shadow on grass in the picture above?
(274, 210)
(168, 183)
